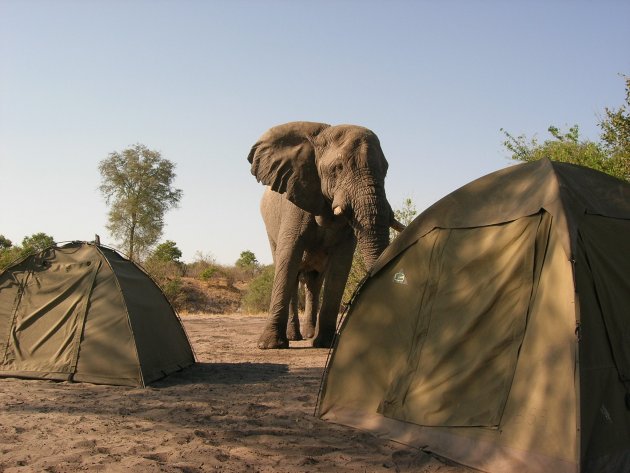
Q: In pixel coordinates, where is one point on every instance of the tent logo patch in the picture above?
(400, 278)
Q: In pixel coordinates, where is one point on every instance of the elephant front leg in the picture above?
(336, 278)
(287, 259)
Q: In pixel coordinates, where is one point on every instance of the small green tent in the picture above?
(81, 312)
(495, 330)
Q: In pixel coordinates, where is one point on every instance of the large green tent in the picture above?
(82, 312)
(495, 330)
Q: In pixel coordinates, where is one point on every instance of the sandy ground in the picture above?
(239, 409)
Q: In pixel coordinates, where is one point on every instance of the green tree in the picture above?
(137, 183)
(8, 252)
(8, 256)
(247, 260)
(5, 243)
(36, 242)
(611, 155)
(567, 148)
(405, 215)
(615, 128)
(167, 251)
(564, 147)
(30, 244)
(165, 268)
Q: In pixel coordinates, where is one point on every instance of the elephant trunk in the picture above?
(372, 217)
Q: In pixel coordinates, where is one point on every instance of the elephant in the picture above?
(325, 195)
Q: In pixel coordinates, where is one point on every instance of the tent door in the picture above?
(48, 318)
(471, 324)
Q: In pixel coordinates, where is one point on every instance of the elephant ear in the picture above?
(284, 159)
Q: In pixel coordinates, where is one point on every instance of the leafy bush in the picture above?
(8, 256)
(163, 270)
(258, 295)
(36, 242)
(222, 275)
(172, 289)
(208, 273)
(167, 274)
(199, 265)
(30, 244)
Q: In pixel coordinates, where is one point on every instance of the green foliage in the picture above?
(5, 243)
(162, 270)
(167, 251)
(36, 242)
(219, 274)
(8, 252)
(247, 260)
(405, 215)
(407, 212)
(8, 256)
(165, 268)
(202, 262)
(616, 135)
(30, 244)
(208, 273)
(611, 155)
(172, 289)
(168, 275)
(137, 184)
(258, 295)
(562, 147)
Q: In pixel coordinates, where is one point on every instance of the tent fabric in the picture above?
(566, 191)
(455, 313)
(604, 289)
(494, 330)
(82, 312)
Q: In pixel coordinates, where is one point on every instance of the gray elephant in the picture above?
(326, 193)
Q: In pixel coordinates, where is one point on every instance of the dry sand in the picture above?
(239, 409)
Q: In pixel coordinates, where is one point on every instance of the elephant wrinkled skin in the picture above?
(325, 195)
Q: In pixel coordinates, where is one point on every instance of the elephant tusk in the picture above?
(337, 210)
(396, 225)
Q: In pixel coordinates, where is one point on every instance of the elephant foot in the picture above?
(308, 332)
(294, 335)
(269, 341)
(324, 340)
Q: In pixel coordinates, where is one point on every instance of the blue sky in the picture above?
(200, 81)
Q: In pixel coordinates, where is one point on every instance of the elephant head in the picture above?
(333, 172)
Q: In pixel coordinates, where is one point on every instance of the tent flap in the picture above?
(471, 326)
(48, 319)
